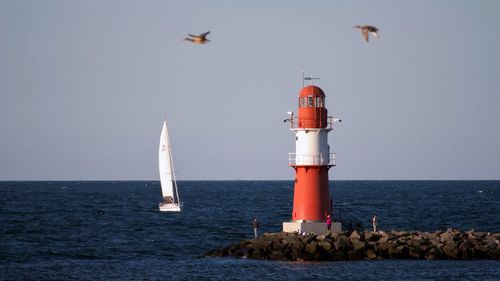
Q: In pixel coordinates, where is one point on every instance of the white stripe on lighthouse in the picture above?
(311, 147)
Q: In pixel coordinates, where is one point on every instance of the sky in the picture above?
(85, 86)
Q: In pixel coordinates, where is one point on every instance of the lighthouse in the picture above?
(311, 161)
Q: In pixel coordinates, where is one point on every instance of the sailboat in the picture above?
(171, 202)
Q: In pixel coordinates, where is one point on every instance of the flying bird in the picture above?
(366, 30)
(198, 39)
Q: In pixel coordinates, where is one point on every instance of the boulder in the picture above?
(284, 242)
(233, 248)
(416, 253)
(404, 240)
(484, 250)
(354, 255)
(371, 236)
(311, 248)
(242, 252)
(450, 234)
(434, 239)
(343, 245)
(370, 254)
(336, 255)
(465, 250)
(371, 245)
(494, 253)
(401, 233)
(383, 238)
(490, 239)
(433, 254)
(293, 254)
(309, 238)
(294, 242)
(358, 245)
(254, 253)
(382, 247)
(445, 236)
(341, 237)
(398, 252)
(355, 235)
(424, 248)
(277, 245)
(277, 255)
(451, 249)
(261, 243)
(325, 245)
(328, 234)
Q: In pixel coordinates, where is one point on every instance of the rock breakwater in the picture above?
(449, 244)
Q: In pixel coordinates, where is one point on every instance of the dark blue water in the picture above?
(113, 230)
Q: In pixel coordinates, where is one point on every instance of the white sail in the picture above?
(167, 175)
(165, 163)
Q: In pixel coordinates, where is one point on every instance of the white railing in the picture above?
(294, 121)
(318, 159)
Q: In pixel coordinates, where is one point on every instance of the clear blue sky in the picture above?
(84, 86)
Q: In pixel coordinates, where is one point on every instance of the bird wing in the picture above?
(203, 35)
(365, 35)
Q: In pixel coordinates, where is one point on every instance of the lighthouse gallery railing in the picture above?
(294, 121)
(311, 159)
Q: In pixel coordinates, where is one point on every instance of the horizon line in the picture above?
(157, 180)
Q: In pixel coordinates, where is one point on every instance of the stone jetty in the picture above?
(449, 244)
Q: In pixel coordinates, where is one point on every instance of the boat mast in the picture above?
(174, 181)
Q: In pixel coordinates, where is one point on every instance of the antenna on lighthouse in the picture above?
(302, 69)
(304, 78)
(311, 79)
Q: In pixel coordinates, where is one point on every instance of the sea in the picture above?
(112, 230)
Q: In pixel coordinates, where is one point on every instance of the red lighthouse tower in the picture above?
(312, 160)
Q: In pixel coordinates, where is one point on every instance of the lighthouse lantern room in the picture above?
(312, 160)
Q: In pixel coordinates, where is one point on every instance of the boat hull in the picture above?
(170, 207)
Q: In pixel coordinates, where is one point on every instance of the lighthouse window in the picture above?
(310, 101)
(319, 102)
(302, 102)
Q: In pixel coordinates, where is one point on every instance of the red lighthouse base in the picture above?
(311, 203)
(311, 199)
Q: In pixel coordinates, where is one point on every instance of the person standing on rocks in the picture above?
(374, 223)
(328, 222)
(256, 225)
